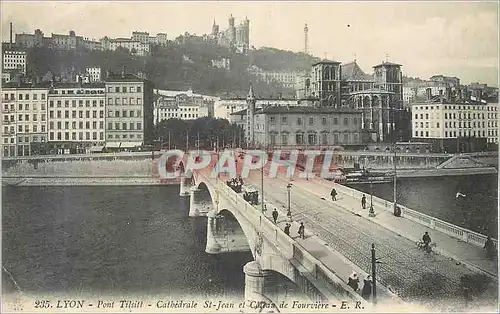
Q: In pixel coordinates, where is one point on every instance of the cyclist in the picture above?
(426, 238)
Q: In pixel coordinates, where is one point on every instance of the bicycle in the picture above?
(421, 246)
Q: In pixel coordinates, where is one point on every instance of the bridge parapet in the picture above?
(309, 273)
(433, 223)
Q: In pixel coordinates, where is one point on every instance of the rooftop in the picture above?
(326, 62)
(352, 72)
(372, 91)
(115, 77)
(303, 109)
(387, 63)
(78, 85)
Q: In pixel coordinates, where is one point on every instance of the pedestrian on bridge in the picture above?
(275, 215)
(353, 281)
(366, 292)
(334, 194)
(287, 229)
(489, 246)
(363, 201)
(301, 231)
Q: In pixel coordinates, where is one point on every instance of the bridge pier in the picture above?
(213, 247)
(184, 186)
(198, 206)
(255, 280)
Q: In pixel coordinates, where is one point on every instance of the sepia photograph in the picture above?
(249, 156)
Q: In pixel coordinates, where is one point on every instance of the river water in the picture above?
(112, 240)
(436, 196)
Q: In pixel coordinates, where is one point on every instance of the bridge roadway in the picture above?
(410, 273)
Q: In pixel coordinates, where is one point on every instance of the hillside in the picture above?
(169, 68)
(272, 59)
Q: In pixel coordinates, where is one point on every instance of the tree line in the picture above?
(203, 133)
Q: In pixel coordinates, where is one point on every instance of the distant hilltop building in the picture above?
(234, 37)
(139, 44)
(56, 41)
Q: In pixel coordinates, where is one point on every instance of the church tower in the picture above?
(250, 127)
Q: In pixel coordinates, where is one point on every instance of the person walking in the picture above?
(334, 194)
(363, 201)
(275, 215)
(301, 231)
(287, 229)
(366, 292)
(489, 247)
(426, 238)
(353, 281)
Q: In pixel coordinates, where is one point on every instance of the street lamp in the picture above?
(371, 213)
(289, 212)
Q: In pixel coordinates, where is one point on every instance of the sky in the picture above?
(450, 38)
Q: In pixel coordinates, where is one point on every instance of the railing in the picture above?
(315, 269)
(457, 232)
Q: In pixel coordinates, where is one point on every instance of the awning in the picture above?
(112, 144)
(130, 144)
(96, 148)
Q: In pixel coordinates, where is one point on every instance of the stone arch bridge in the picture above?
(272, 249)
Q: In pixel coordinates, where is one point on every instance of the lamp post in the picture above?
(395, 176)
(371, 213)
(289, 212)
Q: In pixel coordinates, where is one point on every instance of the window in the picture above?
(124, 113)
(272, 138)
(311, 120)
(110, 126)
(117, 89)
(311, 138)
(355, 121)
(138, 89)
(324, 139)
(66, 114)
(131, 113)
(87, 114)
(139, 126)
(124, 125)
(124, 89)
(299, 138)
(299, 121)
(437, 124)
(131, 125)
(283, 120)
(335, 121)
(346, 137)
(416, 116)
(284, 139)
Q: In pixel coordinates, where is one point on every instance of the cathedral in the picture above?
(234, 37)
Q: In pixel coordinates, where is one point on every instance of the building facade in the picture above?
(14, 60)
(94, 74)
(129, 111)
(184, 106)
(76, 118)
(287, 79)
(24, 120)
(455, 125)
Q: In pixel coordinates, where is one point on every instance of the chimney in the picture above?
(123, 72)
(448, 94)
(428, 93)
(108, 73)
(10, 43)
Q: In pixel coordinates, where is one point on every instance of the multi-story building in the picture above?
(300, 126)
(286, 78)
(143, 37)
(76, 118)
(24, 121)
(448, 81)
(94, 74)
(224, 107)
(453, 123)
(14, 60)
(180, 105)
(57, 41)
(129, 106)
(223, 63)
(492, 123)
(133, 46)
